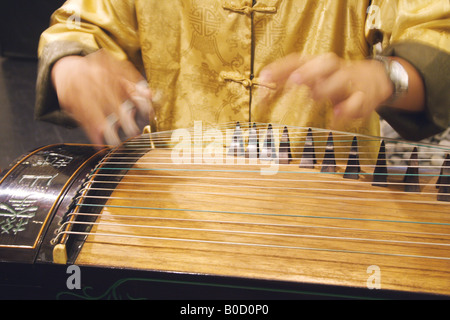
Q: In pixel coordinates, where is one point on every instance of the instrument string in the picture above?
(111, 161)
(250, 244)
(266, 189)
(346, 182)
(277, 246)
(210, 162)
(321, 144)
(365, 152)
(292, 131)
(340, 197)
(441, 207)
(295, 155)
(138, 152)
(263, 194)
(320, 148)
(221, 222)
(263, 188)
(320, 139)
(111, 216)
(258, 171)
(265, 214)
(242, 232)
(276, 236)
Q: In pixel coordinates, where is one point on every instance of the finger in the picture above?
(129, 72)
(335, 88)
(316, 69)
(127, 119)
(143, 89)
(139, 93)
(141, 96)
(110, 131)
(95, 134)
(279, 71)
(93, 121)
(274, 76)
(351, 108)
(146, 113)
(121, 68)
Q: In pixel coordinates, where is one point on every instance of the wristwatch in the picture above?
(398, 76)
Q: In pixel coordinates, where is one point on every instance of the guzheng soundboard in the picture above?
(255, 210)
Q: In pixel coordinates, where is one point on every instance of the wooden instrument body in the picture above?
(140, 209)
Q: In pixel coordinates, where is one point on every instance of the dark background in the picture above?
(21, 23)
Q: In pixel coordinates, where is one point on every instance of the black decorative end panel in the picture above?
(35, 194)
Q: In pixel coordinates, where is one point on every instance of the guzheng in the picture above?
(281, 207)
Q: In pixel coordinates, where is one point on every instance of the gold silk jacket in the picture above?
(202, 58)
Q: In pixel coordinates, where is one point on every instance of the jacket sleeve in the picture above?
(81, 27)
(419, 32)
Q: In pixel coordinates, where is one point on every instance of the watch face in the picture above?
(399, 76)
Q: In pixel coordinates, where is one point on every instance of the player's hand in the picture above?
(106, 96)
(355, 88)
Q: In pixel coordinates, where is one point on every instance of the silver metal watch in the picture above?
(398, 75)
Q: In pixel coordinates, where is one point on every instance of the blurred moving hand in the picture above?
(355, 88)
(104, 95)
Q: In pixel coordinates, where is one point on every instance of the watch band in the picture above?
(398, 76)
